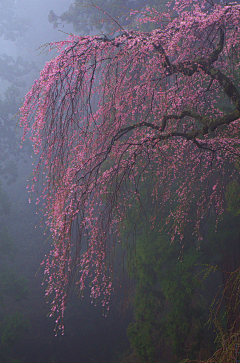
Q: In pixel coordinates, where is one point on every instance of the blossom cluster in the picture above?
(107, 116)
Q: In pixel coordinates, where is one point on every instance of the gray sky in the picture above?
(40, 31)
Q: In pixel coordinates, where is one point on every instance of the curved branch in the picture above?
(228, 86)
(190, 67)
(208, 125)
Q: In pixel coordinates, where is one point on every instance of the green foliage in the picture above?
(12, 331)
(14, 327)
(233, 198)
(223, 240)
(169, 311)
(12, 286)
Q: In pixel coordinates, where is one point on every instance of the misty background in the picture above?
(161, 315)
(26, 333)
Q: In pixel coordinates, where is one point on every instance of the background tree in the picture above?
(11, 25)
(172, 299)
(174, 293)
(86, 17)
(12, 73)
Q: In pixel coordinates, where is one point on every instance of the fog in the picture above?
(161, 304)
(26, 332)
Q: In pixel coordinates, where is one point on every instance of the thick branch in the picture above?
(203, 120)
(208, 125)
(189, 68)
(206, 64)
(207, 122)
(228, 86)
(224, 120)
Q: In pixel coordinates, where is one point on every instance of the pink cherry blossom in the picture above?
(107, 116)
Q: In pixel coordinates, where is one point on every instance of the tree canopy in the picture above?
(87, 17)
(107, 114)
